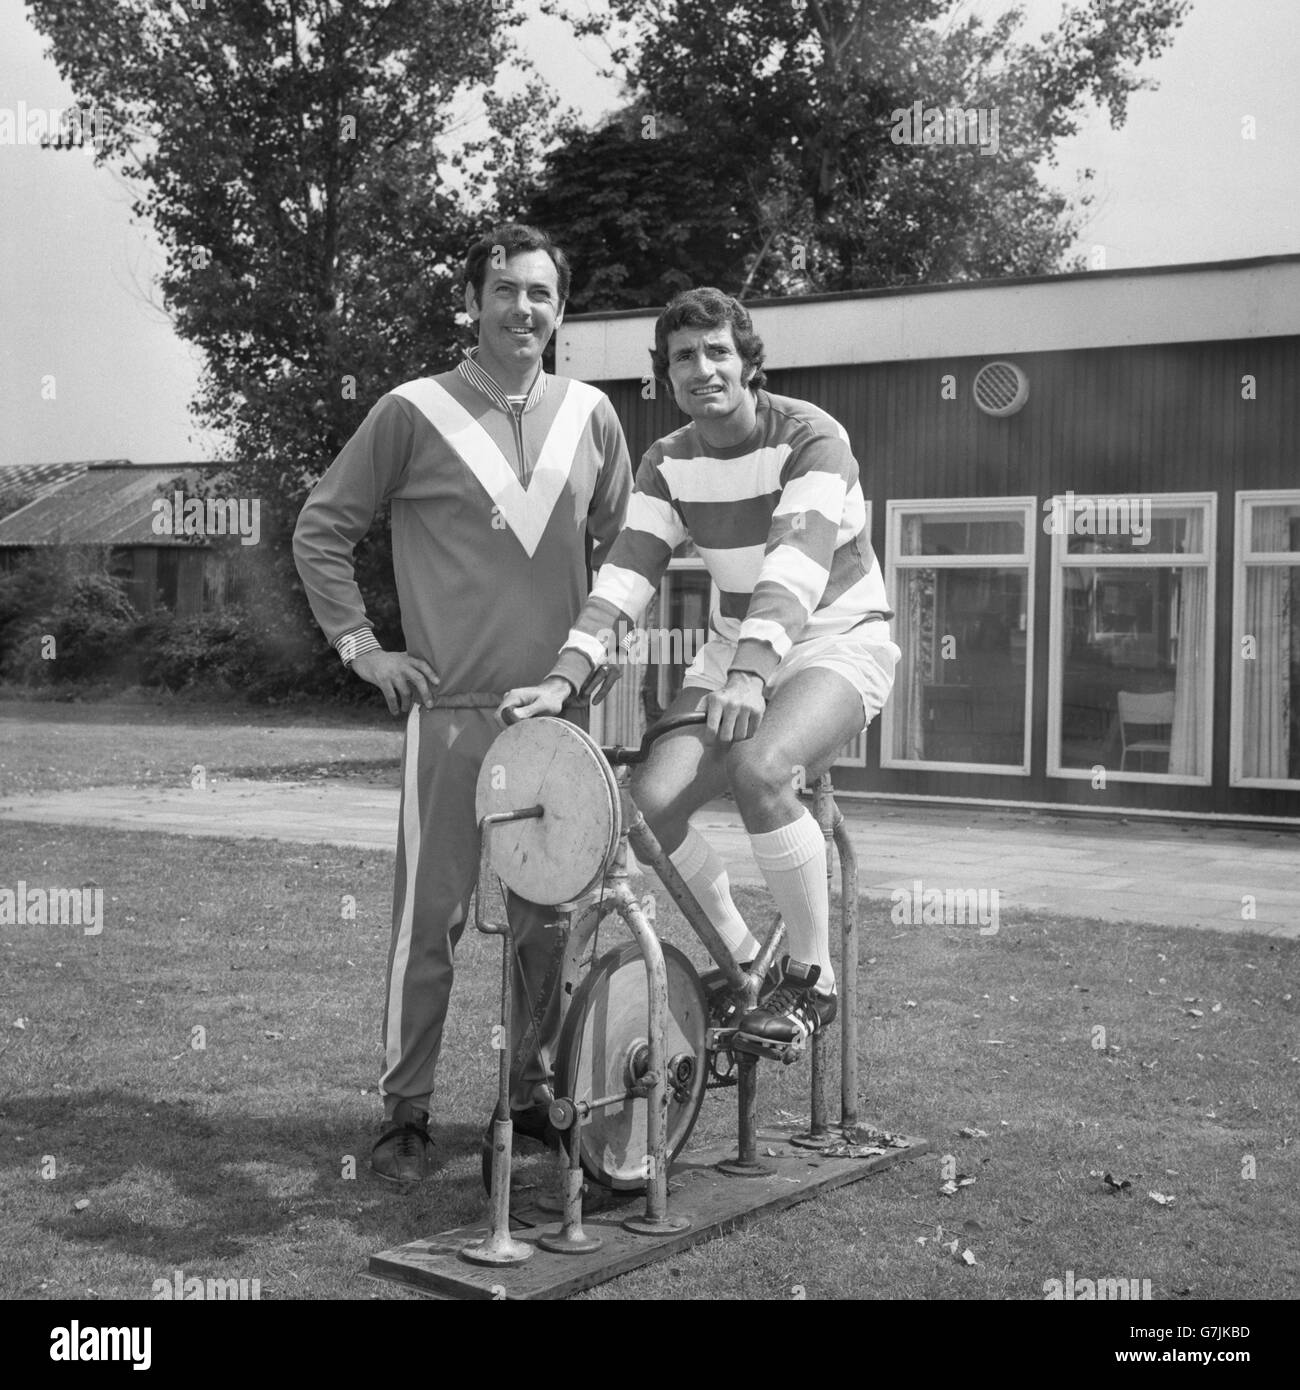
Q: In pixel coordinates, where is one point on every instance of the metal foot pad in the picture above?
(734, 1168)
(494, 1251)
(554, 1239)
(667, 1226)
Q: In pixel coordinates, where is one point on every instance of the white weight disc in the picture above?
(547, 762)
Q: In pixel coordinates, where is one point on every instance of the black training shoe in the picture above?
(401, 1154)
(724, 1011)
(794, 1011)
(533, 1123)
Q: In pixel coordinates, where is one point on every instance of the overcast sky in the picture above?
(1177, 184)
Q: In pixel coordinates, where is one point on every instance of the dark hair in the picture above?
(708, 308)
(512, 238)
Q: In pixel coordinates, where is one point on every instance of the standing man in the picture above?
(497, 473)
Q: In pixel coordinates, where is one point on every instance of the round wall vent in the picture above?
(1000, 388)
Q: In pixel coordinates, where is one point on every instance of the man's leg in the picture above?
(808, 720)
(437, 867)
(687, 770)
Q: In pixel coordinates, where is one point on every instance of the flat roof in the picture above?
(1213, 301)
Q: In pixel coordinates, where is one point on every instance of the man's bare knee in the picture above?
(759, 772)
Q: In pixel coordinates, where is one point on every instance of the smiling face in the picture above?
(710, 382)
(519, 309)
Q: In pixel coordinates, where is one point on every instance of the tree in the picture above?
(301, 165)
(791, 111)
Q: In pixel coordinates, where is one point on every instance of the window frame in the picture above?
(1242, 559)
(895, 513)
(1134, 559)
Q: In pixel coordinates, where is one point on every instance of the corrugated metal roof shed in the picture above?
(25, 482)
(106, 504)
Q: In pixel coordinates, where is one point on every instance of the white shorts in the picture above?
(865, 657)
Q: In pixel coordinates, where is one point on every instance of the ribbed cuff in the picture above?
(573, 667)
(755, 658)
(354, 644)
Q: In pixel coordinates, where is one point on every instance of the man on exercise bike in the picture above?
(800, 658)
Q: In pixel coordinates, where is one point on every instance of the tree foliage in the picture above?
(783, 116)
(305, 167)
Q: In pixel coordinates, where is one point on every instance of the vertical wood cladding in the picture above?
(1141, 420)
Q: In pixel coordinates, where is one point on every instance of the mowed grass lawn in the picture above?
(51, 745)
(127, 1151)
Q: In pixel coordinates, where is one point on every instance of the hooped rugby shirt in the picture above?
(779, 521)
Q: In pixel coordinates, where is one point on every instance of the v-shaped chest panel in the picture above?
(526, 511)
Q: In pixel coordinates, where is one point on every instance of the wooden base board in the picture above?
(713, 1202)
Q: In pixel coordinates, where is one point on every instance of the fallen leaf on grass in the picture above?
(1195, 1013)
(967, 1257)
(950, 1188)
(1165, 1201)
(970, 1132)
(81, 1205)
(1116, 1185)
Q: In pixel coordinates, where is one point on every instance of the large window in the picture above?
(1132, 637)
(960, 573)
(1266, 641)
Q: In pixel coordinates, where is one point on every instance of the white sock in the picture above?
(704, 874)
(793, 862)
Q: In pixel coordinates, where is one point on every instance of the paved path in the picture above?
(1174, 875)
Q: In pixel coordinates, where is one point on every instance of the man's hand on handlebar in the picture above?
(548, 698)
(401, 676)
(736, 711)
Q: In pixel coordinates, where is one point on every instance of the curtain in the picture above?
(916, 640)
(1266, 716)
(1190, 713)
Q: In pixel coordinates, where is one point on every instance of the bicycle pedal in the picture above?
(785, 1053)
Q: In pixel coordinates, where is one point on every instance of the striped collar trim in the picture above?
(477, 377)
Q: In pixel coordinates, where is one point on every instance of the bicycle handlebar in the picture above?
(621, 755)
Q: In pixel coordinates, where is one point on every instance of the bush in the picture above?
(210, 649)
(63, 618)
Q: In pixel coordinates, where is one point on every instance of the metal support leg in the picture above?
(499, 1247)
(656, 1221)
(848, 974)
(746, 1163)
(570, 1238)
(818, 1134)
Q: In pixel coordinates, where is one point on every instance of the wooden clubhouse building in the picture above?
(1085, 492)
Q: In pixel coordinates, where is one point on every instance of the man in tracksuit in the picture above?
(497, 473)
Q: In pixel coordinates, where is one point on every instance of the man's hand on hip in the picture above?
(402, 677)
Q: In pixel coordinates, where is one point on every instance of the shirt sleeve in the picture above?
(339, 511)
(613, 484)
(800, 548)
(629, 579)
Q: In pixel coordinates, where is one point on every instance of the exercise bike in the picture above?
(643, 1034)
